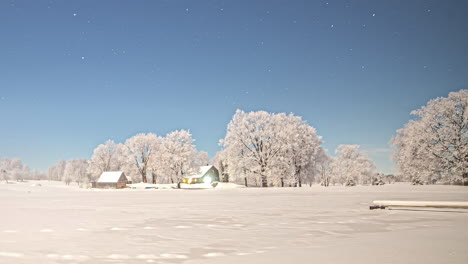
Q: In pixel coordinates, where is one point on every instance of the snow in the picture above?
(10, 254)
(228, 185)
(110, 176)
(229, 225)
(197, 186)
(433, 204)
(150, 186)
(203, 171)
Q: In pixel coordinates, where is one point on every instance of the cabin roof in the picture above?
(203, 171)
(110, 176)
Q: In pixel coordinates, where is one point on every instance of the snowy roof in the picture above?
(203, 171)
(110, 176)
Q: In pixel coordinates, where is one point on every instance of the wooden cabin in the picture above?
(112, 179)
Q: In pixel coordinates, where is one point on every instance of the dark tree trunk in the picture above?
(263, 177)
(298, 178)
(300, 183)
(154, 178)
(264, 181)
(282, 182)
(245, 182)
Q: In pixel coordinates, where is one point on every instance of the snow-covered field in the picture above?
(54, 223)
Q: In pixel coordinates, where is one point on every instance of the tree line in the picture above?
(146, 158)
(15, 170)
(260, 149)
(278, 149)
(283, 150)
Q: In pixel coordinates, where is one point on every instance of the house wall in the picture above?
(122, 184)
(214, 173)
(109, 185)
(106, 185)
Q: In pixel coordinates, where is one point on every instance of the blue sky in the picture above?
(76, 73)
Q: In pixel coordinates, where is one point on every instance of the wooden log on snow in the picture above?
(422, 204)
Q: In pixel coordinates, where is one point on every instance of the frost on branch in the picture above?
(351, 166)
(176, 156)
(140, 149)
(434, 146)
(107, 157)
(76, 171)
(270, 149)
(14, 169)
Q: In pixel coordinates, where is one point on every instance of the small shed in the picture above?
(112, 179)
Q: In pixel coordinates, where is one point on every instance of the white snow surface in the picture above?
(142, 185)
(229, 225)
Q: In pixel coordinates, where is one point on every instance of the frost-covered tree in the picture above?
(67, 177)
(25, 174)
(176, 155)
(220, 161)
(76, 171)
(411, 154)
(434, 146)
(271, 149)
(6, 169)
(236, 166)
(302, 149)
(201, 159)
(107, 157)
(14, 169)
(17, 169)
(351, 166)
(378, 179)
(4, 174)
(55, 172)
(324, 168)
(37, 175)
(254, 141)
(140, 149)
